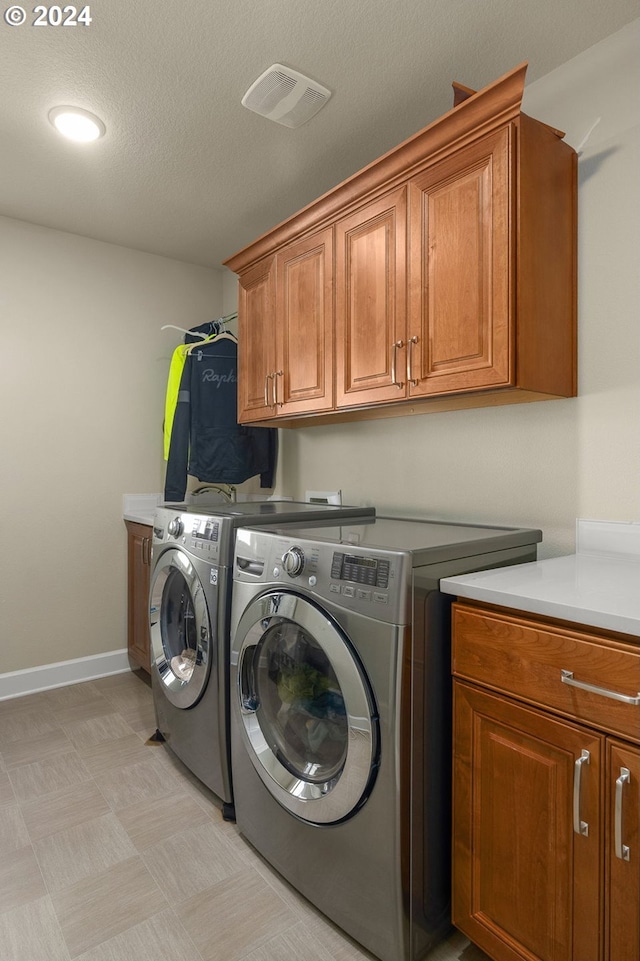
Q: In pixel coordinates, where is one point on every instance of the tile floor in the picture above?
(111, 851)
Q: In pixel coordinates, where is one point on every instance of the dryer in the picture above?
(341, 715)
(189, 617)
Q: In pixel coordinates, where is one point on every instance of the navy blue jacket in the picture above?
(206, 439)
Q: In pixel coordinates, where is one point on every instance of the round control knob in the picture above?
(293, 561)
(313, 580)
(175, 526)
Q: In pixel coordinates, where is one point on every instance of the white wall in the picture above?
(541, 464)
(83, 367)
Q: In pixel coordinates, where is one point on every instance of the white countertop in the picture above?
(593, 587)
(140, 508)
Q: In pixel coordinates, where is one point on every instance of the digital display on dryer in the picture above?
(207, 531)
(372, 571)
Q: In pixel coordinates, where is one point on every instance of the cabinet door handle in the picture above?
(412, 380)
(266, 390)
(394, 352)
(622, 850)
(567, 678)
(278, 373)
(580, 827)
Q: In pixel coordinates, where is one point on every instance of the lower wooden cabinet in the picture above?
(546, 859)
(139, 568)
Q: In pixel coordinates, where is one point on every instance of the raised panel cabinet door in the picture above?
(460, 270)
(527, 831)
(623, 857)
(371, 303)
(256, 342)
(139, 568)
(304, 325)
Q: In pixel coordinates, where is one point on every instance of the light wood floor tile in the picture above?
(160, 818)
(126, 698)
(299, 942)
(13, 831)
(82, 851)
(114, 755)
(64, 809)
(138, 783)
(161, 938)
(23, 725)
(191, 861)
(32, 933)
(104, 906)
(91, 731)
(141, 717)
(27, 750)
(6, 791)
(20, 879)
(235, 917)
(44, 777)
(22, 705)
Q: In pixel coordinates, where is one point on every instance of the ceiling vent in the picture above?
(285, 96)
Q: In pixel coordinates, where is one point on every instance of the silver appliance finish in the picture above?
(341, 714)
(189, 616)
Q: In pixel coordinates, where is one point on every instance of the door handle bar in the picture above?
(622, 850)
(266, 390)
(394, 351)
(580, 827)
(567, 678)
(412, 380)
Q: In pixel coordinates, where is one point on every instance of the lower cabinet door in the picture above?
(139, 569)
(527, 831)
(623, 857)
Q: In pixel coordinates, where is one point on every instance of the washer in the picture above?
(341, 715)
(189, 616)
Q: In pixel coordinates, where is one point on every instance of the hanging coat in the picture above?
(206, 439)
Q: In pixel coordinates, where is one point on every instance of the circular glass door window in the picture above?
(307, 711)
(300, 704)
(180, 630)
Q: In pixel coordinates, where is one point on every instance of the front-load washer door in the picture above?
(307, 712)
(180, 628)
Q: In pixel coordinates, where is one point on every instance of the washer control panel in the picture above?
(197, 533)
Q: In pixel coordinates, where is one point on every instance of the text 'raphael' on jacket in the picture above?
(206, 440)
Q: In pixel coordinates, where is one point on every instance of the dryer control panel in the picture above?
(372, 571)
(372, 582)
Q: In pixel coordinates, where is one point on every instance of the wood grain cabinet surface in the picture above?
(546, 864)
(442, 275)
(139, 539)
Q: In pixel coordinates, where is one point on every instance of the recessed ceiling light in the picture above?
(77, 124)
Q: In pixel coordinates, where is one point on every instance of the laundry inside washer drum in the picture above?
(300, 707)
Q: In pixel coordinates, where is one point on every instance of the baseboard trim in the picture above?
(48, 676)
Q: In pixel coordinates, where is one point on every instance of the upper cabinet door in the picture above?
(256, 343)
(304, 325)
(370, 302)
(460, 322)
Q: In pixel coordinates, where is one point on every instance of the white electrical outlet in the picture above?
(323, 497)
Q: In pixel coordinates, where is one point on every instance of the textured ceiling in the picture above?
(187, 172)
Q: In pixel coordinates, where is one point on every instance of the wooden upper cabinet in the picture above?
(461, 325)
(304, 325)
(370, 302)
(450, 263)
(256, 331)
